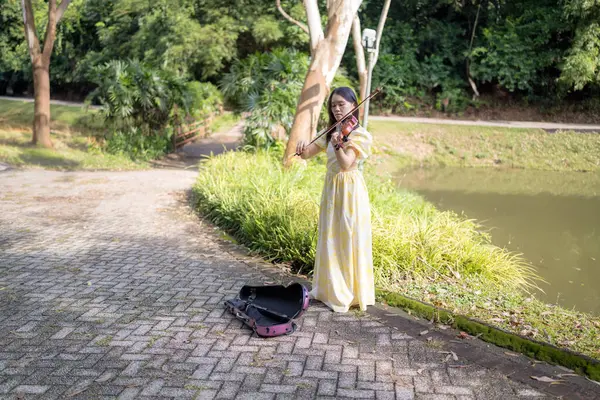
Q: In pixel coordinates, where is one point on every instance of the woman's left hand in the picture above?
(337, 139)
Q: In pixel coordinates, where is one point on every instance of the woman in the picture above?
(343, 273)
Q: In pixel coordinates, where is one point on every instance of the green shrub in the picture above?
(205, 99)
(138, 104)
(268, 86)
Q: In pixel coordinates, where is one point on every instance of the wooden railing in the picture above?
(186, 132)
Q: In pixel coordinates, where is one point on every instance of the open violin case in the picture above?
(270, 310)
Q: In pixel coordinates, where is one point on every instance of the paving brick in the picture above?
(327, 388)
(356, 394)
(278, 388)
(31, 389)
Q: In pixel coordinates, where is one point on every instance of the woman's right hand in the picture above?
(301, 146)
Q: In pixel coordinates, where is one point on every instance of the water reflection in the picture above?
(555, 229)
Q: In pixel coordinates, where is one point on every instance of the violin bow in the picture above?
(327, 130)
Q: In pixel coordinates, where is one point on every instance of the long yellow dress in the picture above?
(343, 274)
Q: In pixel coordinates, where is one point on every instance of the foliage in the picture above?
(581, 65)
(539, 51)
(268, 85)
(138, 102)
(512, 56)
(205, 99)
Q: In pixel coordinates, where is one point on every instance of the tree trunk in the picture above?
(40, 61)
(361, 66)
(325, 61)
(41, 121)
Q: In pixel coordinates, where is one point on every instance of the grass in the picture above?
(71, 152)
(412, 144)
(429, 255)
(73, 132)
(19, 115)
(501, 181)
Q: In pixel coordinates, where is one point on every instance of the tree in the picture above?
(327, 49)
(40, 62)
(361, 66)
(581, 64)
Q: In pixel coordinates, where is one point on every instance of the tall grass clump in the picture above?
(275, 212)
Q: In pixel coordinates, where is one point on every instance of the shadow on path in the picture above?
(190, 155)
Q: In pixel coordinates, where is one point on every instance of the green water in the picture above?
(552, 218)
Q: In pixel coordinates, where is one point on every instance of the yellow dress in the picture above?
(343, 274)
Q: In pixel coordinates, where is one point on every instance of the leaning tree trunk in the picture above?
(41, 86)
(326, 59)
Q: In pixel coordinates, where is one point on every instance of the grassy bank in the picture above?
(18, 115)
(432, 256)
(74, 129)
(72, 151)
(409, 144)
(73, 132)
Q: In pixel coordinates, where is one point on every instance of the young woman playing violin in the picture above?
(343, 273)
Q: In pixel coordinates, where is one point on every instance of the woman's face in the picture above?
(340, 106)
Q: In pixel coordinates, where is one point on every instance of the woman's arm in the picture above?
(346, 155)
(306, 150)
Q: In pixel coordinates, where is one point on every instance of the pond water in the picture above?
(552, 218)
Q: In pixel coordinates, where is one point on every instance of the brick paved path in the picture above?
(111, 288)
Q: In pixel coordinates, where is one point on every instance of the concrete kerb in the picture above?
(485, 351)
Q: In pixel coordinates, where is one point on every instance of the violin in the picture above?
(348, 124)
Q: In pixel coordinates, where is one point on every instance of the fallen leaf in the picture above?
(443, 327)
(423, 333)
(561, 375)
(508, 353)
(463, 335)
(546, 379)
(105, 377)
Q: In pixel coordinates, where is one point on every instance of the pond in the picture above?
(551, 218)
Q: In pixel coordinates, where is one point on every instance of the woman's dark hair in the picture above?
(349, 96)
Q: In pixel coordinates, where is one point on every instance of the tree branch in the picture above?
(359, 51)
(50, 32)
(382, 18)
(285, 15)
(30, 32)
(314, 23)
(61, 9)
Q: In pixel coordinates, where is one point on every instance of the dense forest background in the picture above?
(542, 53)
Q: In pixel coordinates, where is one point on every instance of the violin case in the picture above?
(270, 310)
